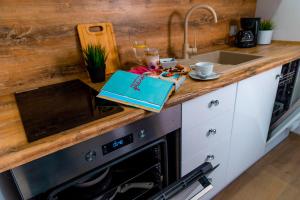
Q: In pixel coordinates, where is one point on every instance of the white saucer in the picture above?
(212, 76)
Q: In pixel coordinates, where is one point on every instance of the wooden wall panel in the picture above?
(39, 43)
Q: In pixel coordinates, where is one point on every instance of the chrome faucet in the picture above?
(186, 48)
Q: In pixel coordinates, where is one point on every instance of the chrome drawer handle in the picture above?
(211, 132)
(210, 157)
(213, 103)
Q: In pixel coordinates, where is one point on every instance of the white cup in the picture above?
(203, 68)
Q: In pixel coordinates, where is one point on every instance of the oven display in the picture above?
(117, 144)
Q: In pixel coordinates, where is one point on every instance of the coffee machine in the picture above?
(247, 36)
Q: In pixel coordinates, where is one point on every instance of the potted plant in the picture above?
(265, 32)
(95, 57)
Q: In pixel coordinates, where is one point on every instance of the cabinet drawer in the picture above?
(206, 135)
(208, 106)
(220, 152)
(219, 180)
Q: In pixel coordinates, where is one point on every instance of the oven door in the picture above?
(190, 187)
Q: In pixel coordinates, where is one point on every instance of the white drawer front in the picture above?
(202, 109)
(220, 151)
(206, 135)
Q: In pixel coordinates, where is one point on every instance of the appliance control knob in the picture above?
(90, 156)
(142, 134)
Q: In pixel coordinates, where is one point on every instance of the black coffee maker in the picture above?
(247, 36)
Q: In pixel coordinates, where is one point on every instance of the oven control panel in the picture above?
(117, 144)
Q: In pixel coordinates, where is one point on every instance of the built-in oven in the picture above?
(138, 161)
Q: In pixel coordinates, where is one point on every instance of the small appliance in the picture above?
(247, 36)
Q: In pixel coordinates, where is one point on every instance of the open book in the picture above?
(137, 90)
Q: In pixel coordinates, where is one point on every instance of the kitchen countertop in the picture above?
(15, 150)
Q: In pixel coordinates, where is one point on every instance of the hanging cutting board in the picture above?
(101, 33)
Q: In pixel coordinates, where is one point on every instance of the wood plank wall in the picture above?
(39, 44)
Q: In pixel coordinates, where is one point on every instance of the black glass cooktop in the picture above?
(55, 108)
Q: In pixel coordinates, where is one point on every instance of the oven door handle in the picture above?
(207, 186)
(188, 186)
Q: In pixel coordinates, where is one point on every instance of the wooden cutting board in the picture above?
(101, 33)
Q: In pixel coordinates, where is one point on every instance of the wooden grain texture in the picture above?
(39, 43)
(276, 176)
(15, 150)
(104, 36)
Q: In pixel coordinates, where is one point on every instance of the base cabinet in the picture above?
(206, 132)
(253, 110)
(232, 132)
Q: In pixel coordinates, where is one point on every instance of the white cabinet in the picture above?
(229, 126)
(206, 131)
(254, 104)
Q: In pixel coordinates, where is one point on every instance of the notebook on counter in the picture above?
(137, 90)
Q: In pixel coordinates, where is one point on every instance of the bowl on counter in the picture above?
(168, 62)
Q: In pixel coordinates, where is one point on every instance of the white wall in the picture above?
(285, 14)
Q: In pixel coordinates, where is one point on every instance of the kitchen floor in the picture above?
(276, 176)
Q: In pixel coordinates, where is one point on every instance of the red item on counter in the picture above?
(139, 70)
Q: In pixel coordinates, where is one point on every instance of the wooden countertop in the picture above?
(15, 150)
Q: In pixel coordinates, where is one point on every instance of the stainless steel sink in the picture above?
(227, 57)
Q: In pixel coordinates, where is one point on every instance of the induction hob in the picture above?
(51, 109)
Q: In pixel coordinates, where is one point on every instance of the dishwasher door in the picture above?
(190, 187)
(288, 122)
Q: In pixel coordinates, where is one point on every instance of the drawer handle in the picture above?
(210, 157)
(211, 132)
(213, 103)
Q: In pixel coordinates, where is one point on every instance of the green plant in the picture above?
(266, 25)
(94, 56)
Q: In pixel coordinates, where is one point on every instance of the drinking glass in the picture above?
(152, 58)
(139, 47)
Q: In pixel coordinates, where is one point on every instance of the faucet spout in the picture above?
(186, 48)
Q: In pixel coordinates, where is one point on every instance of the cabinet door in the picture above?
(253, 111)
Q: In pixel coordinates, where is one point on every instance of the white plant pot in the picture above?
(265, 37)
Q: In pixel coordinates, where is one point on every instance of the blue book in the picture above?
(137, 90)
